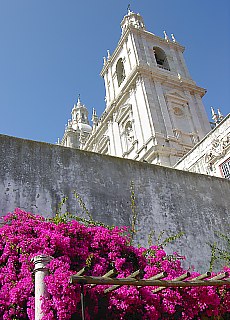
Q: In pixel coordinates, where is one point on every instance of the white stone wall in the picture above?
(207, 156)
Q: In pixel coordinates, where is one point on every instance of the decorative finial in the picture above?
(78, 100)
(94, 112)
(166, 36)
(108, 55)
(220, 116)
(94, 117)
(213, 111)
(173, 37)
(214, 115)
(128, 9)
(104, 60)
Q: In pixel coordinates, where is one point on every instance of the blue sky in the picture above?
(52, 50)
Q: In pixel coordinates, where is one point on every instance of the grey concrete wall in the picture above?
(36, 176)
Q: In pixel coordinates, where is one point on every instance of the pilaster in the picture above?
(187, 74)
(116, 137)
(164, 109)
(205, 123)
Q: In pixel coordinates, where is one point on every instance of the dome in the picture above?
(75, 126)
(85, 127)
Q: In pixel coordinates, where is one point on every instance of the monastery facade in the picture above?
(154, 111)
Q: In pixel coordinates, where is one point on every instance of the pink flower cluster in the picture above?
(73, 245)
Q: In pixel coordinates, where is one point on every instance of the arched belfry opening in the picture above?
(161, 59)
(120, 70)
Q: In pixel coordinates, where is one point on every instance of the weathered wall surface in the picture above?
(36, 176)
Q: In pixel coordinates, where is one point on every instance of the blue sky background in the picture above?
(51, 50)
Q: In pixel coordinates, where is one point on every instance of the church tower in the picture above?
(154, 110)
(77, 129)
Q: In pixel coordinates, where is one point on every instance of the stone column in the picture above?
(40, 272)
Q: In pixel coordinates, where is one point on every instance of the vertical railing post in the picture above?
(40, 271)
(82, 302)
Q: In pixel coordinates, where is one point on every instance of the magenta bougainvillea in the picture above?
(73, 246)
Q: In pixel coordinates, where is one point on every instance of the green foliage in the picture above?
(89, 221)
(59, 216)
(213, 256)
(150, 237)
(89, 260)
(83, 206)
(171, 238)
(160, 242)
(218, 254)
(67, 216)
(134, 211)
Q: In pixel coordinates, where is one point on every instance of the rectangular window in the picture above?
(225, 169)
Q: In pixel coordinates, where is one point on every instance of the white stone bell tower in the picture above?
(77, 130)
(154, 110)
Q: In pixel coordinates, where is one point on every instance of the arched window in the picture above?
(120, 70)
(161, 58)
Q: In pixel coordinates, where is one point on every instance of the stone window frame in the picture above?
(120, 71)
(161, 58)
(225, 169)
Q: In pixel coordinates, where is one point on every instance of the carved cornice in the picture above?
(217, 149)
(123, 111)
